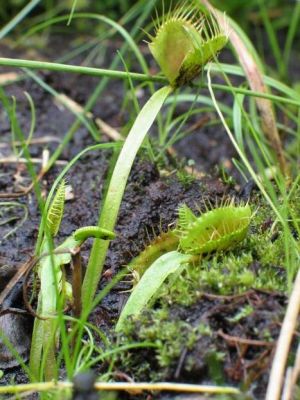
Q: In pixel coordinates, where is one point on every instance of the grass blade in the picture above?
(150, 283)
(18, 18)
(116, 188)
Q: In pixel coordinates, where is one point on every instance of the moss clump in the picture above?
(257, 262)
(185, 325)
(173, 338)
(192, 344)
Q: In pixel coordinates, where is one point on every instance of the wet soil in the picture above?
(149, 206)
(232, 351)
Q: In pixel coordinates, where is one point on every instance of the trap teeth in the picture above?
(184, 42)
(217, 229)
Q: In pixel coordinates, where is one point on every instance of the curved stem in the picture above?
(116, 189)
(78, 69)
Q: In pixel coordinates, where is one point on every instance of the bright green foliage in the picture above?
(56, 210)
(115, 191)
(256, 263)
(50, 274)
(150, 283)
(165, 242)
(86, 232)
(184, 42)
(243, 313)
(172, 336)
(52, 287)
(217, 229)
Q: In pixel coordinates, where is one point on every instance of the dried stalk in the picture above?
(255, 80)
(9, 77)
(109, 131)
(76, 281)
(123, 386)
(284, 342)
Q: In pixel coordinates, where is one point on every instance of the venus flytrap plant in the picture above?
(116, 189)
(52, 288)
(150, 283)
(183, 43)
(217, 229)
(201, 39)
(50, 276)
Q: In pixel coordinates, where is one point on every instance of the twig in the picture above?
(180, 363)
(258, 360)
(18, 275)
(14, 160)
(257, 367)
(288, 386)
(212, 296)
(124, 386)
(12, 195)
(76, 281)
(13, 310)
(108, 130)
(291, 377)
(36, 260)
(199, 123)
(296, 369)
(121, 375)
(40, 140)
(25, 270)
(77, 108)
(9, 77)
(233, 340)
(284, 342)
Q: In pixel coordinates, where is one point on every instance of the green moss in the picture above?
(172, 337)
(185, 178)
(257, 262)
(244, 312)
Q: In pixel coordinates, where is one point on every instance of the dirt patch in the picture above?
(211, 340)
(150, 204)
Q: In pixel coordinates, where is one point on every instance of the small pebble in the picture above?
(84, 386)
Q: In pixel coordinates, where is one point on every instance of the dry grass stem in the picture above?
(9, 77)
(284, 342)
(17, 160)
(255, 80)
(41, 140)
(123, 386)
(109, 131)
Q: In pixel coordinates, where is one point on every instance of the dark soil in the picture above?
(149, 206)
(232, 352)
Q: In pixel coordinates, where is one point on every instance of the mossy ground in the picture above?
(199, 320)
